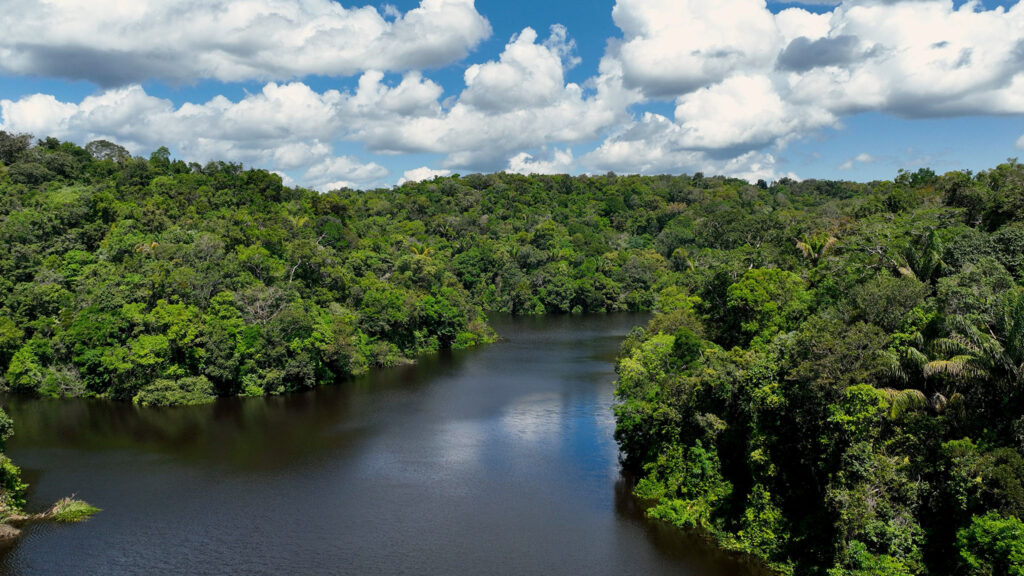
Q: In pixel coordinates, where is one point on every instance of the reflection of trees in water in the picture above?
(246, 433)
(690, 547)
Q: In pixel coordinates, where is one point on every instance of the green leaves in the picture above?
(25, 372)
(992, 545)
(687, 484)
(183, 392)
(768, 301)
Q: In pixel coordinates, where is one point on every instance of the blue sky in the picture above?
(362, 95)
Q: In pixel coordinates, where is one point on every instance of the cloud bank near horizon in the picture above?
(742, 82)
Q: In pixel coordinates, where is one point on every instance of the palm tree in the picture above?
(985, 364)
(814, 247)
(923, 258)
(421, 250)
(923, 365)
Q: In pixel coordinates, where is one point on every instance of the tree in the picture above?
(992, 545)
(106, 150)
(25, 373)
(767, 301)
(13, 147)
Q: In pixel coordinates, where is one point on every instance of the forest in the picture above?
(831, 381)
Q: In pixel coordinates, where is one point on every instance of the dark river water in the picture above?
(491, 461)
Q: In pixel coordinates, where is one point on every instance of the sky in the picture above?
(355, 94)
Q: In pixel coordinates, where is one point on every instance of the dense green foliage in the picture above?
(12, 489)
(837, 383)
(165, 282)
(169, 283)
(132, 278)
(832, 380)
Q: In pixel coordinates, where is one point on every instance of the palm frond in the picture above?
(958, 367)
(829, 244)
(916, 357)
(805, 249)
(906, 272)
(893, 366)
(953, 345)
(903, 401)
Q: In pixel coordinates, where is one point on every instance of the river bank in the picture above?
(497, 460)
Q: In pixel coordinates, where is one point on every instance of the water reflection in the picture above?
(493, 461)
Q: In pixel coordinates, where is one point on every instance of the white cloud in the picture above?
(288, 127)
(342, 172)
(795, 23)
(923, 58)
(560, 162)
(862, 158)
(745, 82)
(743, 111)
(652, 145)
(294, 155)
(518, 102)
(421, 174)
(920, 58)
(113, 43)
(283, 127)
(672, 47)
(527, 75)
(37, 114)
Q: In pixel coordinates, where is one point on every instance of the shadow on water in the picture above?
(695, 549)
(244, 433)
(498, 460)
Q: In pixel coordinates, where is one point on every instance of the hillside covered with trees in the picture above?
(831, 381)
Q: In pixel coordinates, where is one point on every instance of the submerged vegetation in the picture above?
(832, 380)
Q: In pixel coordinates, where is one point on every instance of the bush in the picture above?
(184, 392)
(992, 544)
(69, 510)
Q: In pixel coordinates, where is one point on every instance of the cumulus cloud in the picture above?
(421, 174)
(342, 172)
(745, 82)
(862, 158)
(920, 58)
(218, 128)
(527, 75)
(289, 127)
(518, 102)
(743, 111)
(285, 127)
(1020, 142)
(924, 58)
(803, 54)
(647, 147)
(673, 47)
(114, 43)
(559, 162)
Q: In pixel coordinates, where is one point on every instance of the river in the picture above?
(492, 461)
